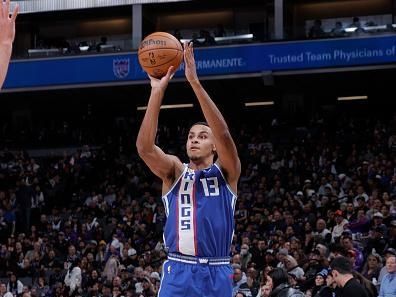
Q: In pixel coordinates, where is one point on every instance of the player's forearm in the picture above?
(5, 55)
(211, 113)
(148, 130)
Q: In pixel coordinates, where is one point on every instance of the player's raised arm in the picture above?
(225, 146)
(7, 35)
(160, 164)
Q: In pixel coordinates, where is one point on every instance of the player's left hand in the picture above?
(7, 23)
(189, 63)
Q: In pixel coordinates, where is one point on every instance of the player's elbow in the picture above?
(144, 148)
(141, 146)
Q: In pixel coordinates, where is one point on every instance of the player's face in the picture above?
(200, 143)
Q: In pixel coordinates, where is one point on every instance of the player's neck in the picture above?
(200, 164)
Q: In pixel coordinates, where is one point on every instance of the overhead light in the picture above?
(84, 48)
(169, 106)
(259, 103)
(350, 98)
(372, 28)
(350, 30)
(224, 38)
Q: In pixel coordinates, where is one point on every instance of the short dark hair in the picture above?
(200, 123)
(278, 276)
(342, 265)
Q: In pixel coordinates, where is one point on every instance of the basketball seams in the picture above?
(162, 48)
(169, 37)
(173, 40)
(168, 61)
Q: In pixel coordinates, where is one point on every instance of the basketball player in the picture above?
(7, 34)
(199, 197)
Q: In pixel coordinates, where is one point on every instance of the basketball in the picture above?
(158, 51)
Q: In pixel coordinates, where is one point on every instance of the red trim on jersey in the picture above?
(195, 218)
(177, 218)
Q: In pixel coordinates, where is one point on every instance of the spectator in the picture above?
(14, 285)
(372, 267)
(111, 268)
(270, 258)
(281, 256)
(388, 283)
(240, 283)
(42, 288)
(356, 256)
(246, 256)
(378, 219)
(258, 254)
(341, 222)
(330, 288)
(316, 31)
(253, 280)
(148, 288)
(338, 30)
(376, 241)
(281, 286)
(368, 285)
(312, 267)
(208, 40)
(265, 291)
(73, 277)
(360, 224)
(341, 271)
(361, 193)
(322, 231)
(357, 24)
(4, 292)
(320, 282)
(293, 268)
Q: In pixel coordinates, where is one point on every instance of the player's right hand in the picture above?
(163, 82)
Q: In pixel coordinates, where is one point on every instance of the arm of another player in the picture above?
(225, 146)
(160, 164)
(7, 35)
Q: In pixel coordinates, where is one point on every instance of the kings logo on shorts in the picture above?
(121, 67)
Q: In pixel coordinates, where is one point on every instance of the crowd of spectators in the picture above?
(90, 223)
(354, 29)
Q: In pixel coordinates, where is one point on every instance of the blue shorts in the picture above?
(186, 276)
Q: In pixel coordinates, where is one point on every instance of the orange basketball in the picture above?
(158, 51)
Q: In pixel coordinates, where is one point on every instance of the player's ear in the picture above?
(214, 149)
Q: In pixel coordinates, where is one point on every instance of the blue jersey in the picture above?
(200, 214)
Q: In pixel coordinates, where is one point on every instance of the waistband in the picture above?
(199, 260)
